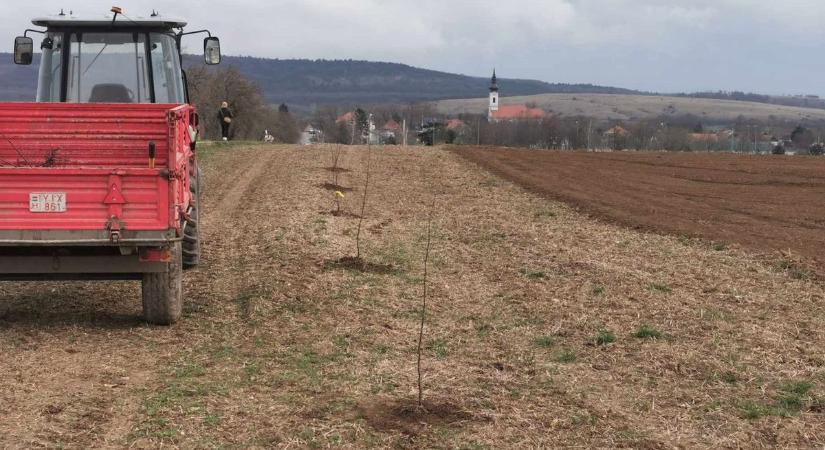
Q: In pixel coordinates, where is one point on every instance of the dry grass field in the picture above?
(546, 328)
(636, 107)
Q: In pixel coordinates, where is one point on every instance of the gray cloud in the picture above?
(755, 45)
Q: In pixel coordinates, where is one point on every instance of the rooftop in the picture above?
(94, 20)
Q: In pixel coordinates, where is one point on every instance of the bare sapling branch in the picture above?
(363, 203)
(335, 157)
(424, 300)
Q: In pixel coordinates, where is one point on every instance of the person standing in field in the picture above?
(225, 117)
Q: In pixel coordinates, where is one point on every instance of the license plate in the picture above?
(47, 202)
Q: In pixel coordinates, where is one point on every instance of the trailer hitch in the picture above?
(115, 226)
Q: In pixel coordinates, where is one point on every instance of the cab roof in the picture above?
(105, 20)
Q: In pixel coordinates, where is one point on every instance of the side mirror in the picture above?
(212, 50)
(23, 50)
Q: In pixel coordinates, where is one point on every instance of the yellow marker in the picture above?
(339, 194)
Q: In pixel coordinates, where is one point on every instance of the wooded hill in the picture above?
(342, 82)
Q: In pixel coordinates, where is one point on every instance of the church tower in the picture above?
(493, 96)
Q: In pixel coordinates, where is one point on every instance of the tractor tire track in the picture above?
(231, 200)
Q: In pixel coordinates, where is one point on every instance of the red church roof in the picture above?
(512, 112)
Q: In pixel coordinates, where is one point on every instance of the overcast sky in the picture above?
(766, 46)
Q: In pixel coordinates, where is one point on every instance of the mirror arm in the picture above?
(26, 33)
(196, 32)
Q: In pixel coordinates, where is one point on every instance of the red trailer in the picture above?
(99, 177)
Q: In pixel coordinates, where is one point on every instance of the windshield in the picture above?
(112, 68)
(107, 68)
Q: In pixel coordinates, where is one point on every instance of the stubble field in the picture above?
(546, 328)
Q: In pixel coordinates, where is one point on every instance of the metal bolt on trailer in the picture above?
(99, 176)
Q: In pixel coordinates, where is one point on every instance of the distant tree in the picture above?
(817, 149)
(283, 108)
(778, 149)
(325, 119)
(450, 136)
(284, 127)
(208, 88)
(802, 137)
(432, 133)
(342, 134)
(361, 124)
(675, 139)
(699, 128)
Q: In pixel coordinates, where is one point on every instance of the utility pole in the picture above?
(589, 130)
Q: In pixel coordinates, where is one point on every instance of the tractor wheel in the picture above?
(191, 236)
(163, 292)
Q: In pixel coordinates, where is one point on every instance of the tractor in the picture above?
(99, 177)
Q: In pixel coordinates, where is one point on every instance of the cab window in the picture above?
(166, 70)
(108, 68)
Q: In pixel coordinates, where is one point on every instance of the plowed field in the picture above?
(546, 328)
(766, 203)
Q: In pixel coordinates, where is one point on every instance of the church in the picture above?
(497, 112)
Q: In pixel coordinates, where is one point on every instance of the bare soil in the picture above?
(547, 329)
(767, 203)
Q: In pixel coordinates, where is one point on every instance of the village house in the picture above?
(615, 137)
(389, 132)
(348, 117)
(311, 135)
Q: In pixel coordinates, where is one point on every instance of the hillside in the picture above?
(19, 82)
(635, 107)
(307, 83)
(343, 82)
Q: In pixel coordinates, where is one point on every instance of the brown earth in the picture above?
(766, 203)
(546, 329)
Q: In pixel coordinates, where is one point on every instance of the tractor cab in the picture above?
(111, 58)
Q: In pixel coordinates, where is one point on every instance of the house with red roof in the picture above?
(391, 125)
(617, 131)
(456, 124)
(346, 118)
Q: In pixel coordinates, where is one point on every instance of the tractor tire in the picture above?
(191, 236)
(163, 292)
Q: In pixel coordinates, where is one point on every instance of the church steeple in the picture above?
(493, 106)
